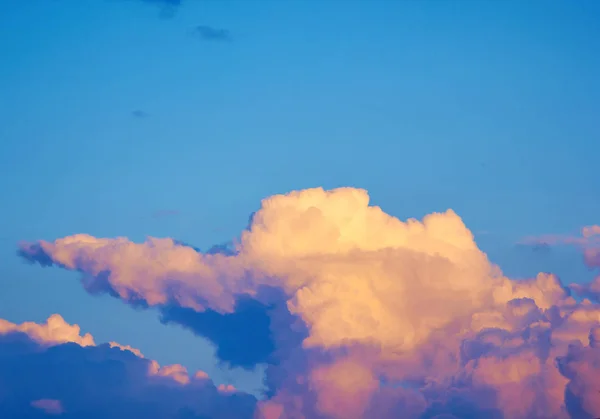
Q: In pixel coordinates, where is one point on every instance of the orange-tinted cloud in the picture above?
(54, 330)
(370, 316)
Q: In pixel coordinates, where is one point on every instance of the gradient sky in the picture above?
(119, 119)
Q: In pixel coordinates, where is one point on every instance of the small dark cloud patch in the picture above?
(168, 7)
(543, 248)
(139, 114)
(539, 248)
(226, 249)
(182, 243)
(172, 3)
(208, 33)
(32, 253)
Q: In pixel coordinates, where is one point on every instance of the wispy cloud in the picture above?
(589, 236)
(588, 241)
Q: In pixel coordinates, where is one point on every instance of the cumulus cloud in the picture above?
(50, 369)
(358, 314)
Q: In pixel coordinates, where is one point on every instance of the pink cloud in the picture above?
(51, 407)
(55, 330)
(134, 351)
(592, 257)
(590, 231)
(377, 317)
(226, 388)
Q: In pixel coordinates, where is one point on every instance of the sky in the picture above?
(175, 119)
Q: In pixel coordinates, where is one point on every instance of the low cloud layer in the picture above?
(49, 370)
(360, 315)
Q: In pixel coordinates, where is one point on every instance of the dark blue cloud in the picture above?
(102, 382)
(34, 253)
(243, 338)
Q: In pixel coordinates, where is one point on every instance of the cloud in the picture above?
(54, 331)
(357, 314)
(165, 2)
(590, 231)
(589, 238)
(50, 406)
(168, 5)
(208, 33)
(139, 114)
(50, 370)
(589, 244)
(249, 320)
(168, 8)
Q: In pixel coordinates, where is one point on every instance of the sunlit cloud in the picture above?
(357, 314)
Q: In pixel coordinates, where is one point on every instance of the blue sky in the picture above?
(111, 112)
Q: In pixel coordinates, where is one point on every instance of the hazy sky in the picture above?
(135, 118)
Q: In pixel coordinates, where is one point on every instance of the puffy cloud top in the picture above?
(54, 331)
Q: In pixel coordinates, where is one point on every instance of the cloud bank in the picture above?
(49, 370)
(360, 315)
